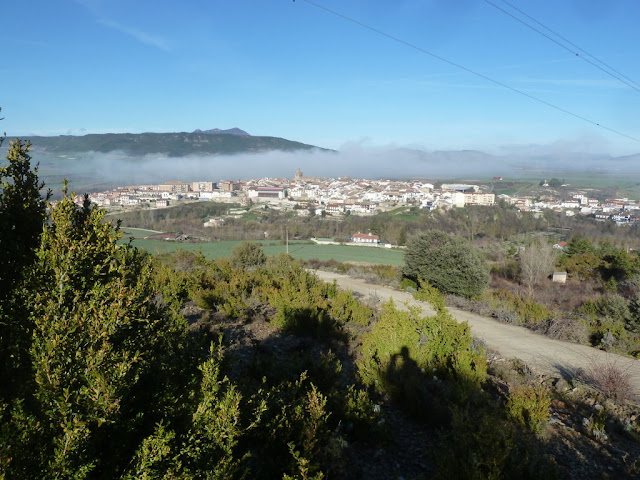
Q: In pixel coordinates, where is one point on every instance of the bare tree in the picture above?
(537, 262)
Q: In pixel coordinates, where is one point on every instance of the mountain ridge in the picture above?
(172, 144)
(217, 131)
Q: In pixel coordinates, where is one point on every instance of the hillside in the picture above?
(171, 144)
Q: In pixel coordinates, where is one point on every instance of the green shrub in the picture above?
(475, 448)
(304, 469)
(596, 425)
(633, 322)
(363, 417)
(610, 315)
(611, 285)
(248, 254)
(529, 406)
(529, 311)
(583, 266)
(589, 308)
(404, 351)
(407, 283)
(447, 262)
(613, 306)
(344, 308)
(606, 332)
(428, 293)
(483, 445)
(294, 418)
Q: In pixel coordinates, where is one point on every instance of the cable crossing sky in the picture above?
(618, 77)
(473, 72)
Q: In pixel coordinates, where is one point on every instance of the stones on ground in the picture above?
(562, 385)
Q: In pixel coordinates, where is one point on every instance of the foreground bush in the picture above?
(248, 254)
(408, 355)
(107, 361)
(482, 444)
(528, 311)
(528, 405)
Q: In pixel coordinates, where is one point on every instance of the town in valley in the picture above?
(344, 196)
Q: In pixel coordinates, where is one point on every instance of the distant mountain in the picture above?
(210, 142)
(217, 131)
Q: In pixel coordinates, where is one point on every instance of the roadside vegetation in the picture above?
(599, 305)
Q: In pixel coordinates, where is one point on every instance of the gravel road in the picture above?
(550, 356)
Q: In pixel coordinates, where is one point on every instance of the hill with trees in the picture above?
(170, 144)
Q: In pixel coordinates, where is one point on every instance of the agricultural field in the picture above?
(607, 185)
(303, 250)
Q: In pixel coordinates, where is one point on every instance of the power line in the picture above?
(573, 52)
(571, 43)
(461, 67)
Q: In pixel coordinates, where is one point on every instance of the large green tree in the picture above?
(447, 262)
(105, 358)
(579, 245)
(22, 215)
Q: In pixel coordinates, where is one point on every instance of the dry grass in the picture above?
(610, 378)
(568, 297)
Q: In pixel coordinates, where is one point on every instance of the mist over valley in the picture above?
(95, 161)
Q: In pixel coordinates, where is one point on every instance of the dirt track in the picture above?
(550, 356)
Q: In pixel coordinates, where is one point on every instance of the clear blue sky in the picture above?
(279, 68)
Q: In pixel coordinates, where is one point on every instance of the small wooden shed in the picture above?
(560, 277)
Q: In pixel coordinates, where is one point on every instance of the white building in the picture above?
(267, 192)
(475, 198)
(214, 222)
(365, 238)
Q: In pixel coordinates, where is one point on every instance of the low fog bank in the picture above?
(357, 163)
(355, 160)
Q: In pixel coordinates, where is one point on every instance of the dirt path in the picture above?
(550, 356)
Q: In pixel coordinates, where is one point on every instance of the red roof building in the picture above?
(364, 238)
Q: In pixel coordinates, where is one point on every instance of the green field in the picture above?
(302, 250)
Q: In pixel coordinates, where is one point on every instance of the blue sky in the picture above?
(279, 68)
